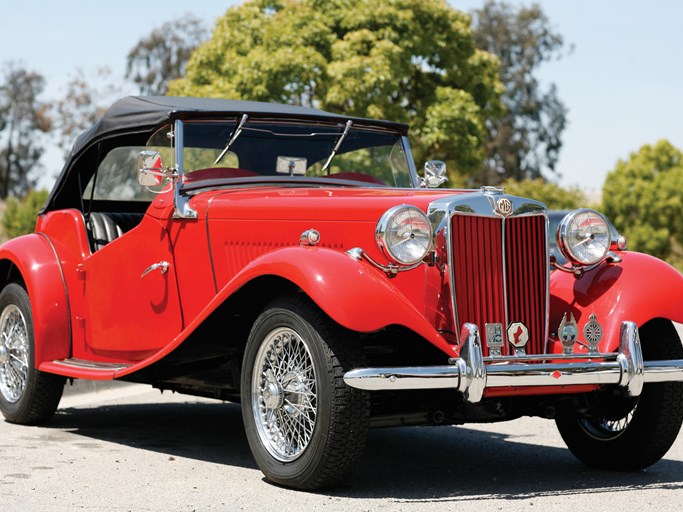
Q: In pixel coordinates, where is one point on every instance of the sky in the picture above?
(622, 83)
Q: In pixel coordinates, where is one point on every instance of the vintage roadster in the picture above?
(293, 260)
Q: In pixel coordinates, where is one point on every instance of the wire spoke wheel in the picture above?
(606, 430)
(13, 353)
(284, 394)
(306, 428)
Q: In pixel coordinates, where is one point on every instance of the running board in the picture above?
(82, 369)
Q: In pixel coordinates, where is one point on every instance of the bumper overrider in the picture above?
(472, 373)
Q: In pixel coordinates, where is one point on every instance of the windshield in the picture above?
(241, 148)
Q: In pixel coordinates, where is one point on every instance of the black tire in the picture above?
(306, 428)
(646, 427)
(27, 396)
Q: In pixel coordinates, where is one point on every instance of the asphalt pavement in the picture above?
(131, 448)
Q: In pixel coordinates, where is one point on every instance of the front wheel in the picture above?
(305, 427)
(27, 396)
(635, 432)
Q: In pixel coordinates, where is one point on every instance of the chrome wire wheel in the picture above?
(606, 430)
(14, 354)
(284, 394)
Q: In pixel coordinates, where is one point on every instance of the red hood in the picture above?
(348, 204)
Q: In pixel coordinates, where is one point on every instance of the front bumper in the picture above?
(471, 373)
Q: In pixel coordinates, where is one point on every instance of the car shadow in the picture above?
(405, 464)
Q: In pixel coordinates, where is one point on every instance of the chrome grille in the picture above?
(500, 274)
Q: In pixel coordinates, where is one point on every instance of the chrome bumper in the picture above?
(471, 373)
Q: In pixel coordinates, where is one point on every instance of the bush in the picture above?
(20, 214)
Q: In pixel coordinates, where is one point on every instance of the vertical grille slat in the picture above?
(487, 274)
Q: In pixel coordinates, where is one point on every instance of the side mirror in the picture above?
(434, 174)
(150, 168)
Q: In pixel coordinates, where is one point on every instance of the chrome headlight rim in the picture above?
(568, 250)
(384, 226)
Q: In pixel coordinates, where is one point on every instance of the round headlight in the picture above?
(584, 237)
(404, 234)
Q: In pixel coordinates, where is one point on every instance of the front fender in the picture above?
(351, 292)
(638, 289)
(36, 260)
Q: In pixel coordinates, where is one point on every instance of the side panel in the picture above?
(639, 289)
(133, 307)
(351, 292)
(35, 258)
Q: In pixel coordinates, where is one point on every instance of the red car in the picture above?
(293, 260)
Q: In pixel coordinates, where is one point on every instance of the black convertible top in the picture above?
(134, 112)
(138, 117)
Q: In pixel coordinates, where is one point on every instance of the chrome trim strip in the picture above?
(183, 210)
(469, 375)
(90, 365)
(504, 270)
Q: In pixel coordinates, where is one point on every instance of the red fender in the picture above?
(35, 258)
(353, 293)
(639, 289)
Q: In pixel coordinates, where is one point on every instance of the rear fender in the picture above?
(639, 289)
(35, 259)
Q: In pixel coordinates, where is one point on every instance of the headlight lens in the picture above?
(584, 237)
(404, 234)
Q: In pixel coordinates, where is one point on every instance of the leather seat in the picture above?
(105, 227)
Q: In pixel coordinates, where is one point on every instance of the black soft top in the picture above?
(138, 117)
(135, 112)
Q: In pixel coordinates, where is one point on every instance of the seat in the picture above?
(105, 227)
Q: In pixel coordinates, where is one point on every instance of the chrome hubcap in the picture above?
(284, 394)
(13, 354)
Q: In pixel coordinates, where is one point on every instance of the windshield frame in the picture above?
(179, 137)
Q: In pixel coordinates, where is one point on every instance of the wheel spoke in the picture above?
(14, 353)
(284, 378)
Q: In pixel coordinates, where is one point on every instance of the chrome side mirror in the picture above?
(434, 174)
(150, 168)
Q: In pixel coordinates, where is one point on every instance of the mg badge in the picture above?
(592, 331)
(494, 339)
(518, 334)
(504, 206)
(568, 332)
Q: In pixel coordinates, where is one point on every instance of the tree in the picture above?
(406, 60)
(22, 117)
(85, 100)
(554, 196)
(644, 198)
(162, 56)
(525, 142)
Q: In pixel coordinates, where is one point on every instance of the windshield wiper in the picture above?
(349, 123)
(235, 134)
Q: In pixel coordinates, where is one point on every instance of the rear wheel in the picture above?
(305, 427)
(27, 396)
(636, 432)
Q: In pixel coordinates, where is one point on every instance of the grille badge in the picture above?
(568, 332)
(494, 339)
(504, 206)
(592, 331)
(518, 336)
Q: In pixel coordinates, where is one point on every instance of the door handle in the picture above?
(162, 265)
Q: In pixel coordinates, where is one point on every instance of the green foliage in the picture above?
(554, 196)
(644, 198)
(20, 214)
(526, 141)
(406, 60)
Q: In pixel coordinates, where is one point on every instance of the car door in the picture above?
(131, 294)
